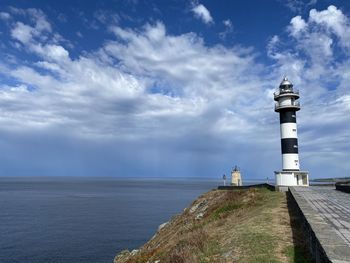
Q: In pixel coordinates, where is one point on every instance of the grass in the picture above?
(225, 210)
(211, 249)
(257, 245)
(266, 235)
(296, 254)
(196, 246)
(255, 237)
(238, 226)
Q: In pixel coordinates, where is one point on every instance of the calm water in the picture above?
(86, 219)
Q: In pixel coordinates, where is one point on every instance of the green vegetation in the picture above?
(226, 210)
(271, 233)
(254, 225)
(296, 254)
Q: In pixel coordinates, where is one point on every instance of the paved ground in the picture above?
(328, 212)
(332, 205)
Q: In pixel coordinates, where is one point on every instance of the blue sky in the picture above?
(170, 88)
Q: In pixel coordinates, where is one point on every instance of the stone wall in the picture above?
(324, 244)
(344, 187)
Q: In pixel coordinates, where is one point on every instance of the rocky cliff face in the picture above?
(223, 226)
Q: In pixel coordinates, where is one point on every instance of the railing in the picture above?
(343, 186)
(278, 93)
(293, 104)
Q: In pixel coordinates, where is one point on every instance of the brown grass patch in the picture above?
(237, 226)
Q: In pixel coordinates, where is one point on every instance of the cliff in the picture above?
(253, 225)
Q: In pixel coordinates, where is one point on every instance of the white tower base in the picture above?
(284, 179)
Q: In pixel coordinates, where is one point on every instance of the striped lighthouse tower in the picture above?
(287, 106)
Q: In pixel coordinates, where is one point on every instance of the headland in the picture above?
(244, 225)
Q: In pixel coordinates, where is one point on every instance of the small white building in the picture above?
(236, 178)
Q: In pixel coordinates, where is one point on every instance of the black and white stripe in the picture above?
(289, 140)
(287, 105)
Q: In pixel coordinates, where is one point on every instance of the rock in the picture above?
(122, 257)
(194, 208)
(204, 208)
(134, 252)
(162, 226)
(203, 204)
(199, 216)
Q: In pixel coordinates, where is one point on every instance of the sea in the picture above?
(86, 219)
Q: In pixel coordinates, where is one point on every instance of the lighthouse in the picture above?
(287, 105)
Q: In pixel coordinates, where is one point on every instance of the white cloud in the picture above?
(228, 29)
(316, 38)
(298, 6)
(52, 52)
(297, 25)
(5, 16)
(160, 81)
(40, 20)
(316, 56)
(227, 23)
(181, 63)
(38, 29)
(37, 17)
(332, 18)
(335, 21)
(146, 87)
(22, 32)
(106, 17)
(322, 25)
(201, 12)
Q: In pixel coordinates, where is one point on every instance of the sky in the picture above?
(153, 88)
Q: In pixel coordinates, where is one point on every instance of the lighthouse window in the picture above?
(294, 130)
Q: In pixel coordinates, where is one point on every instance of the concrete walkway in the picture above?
(327, 211)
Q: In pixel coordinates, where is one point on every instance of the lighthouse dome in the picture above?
(286, 85)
